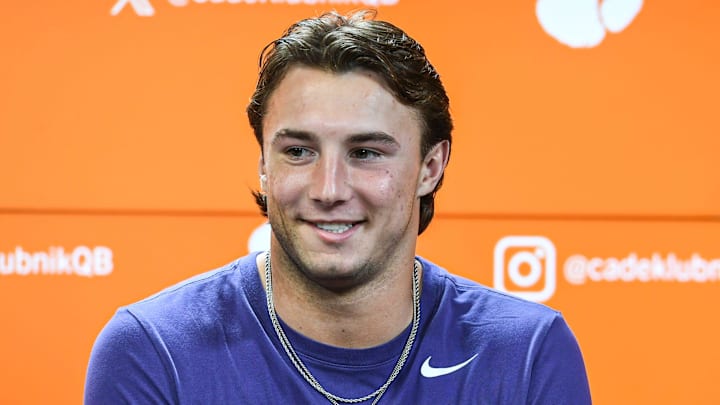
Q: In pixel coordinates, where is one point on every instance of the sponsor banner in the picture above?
(561, 106)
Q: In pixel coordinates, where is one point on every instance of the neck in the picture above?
(365, 316)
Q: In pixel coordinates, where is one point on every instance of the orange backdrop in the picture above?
(126, 162)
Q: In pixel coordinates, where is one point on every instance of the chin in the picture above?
(336, 277)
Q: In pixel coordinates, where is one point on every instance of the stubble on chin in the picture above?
(310, 274)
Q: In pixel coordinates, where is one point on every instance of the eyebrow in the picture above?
(380, 137)
(359, 138)
(292, 134)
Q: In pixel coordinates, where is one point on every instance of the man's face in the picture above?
(344, 175)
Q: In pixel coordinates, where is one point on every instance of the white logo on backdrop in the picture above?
(143, 8)
(583, 23)
(527, 261)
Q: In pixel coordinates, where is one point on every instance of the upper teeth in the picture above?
(335, 228)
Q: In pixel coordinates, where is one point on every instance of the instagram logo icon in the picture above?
(525, 267)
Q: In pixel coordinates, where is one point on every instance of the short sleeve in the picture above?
(558, 373)
(126, 366)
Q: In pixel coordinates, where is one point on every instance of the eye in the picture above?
(298, 152)
(364, 154)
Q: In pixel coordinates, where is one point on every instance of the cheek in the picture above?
(283, 188)
(381, 183)
(388, 188)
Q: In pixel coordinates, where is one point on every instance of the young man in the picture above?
(354, 130)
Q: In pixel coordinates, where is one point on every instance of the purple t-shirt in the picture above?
(209, 340)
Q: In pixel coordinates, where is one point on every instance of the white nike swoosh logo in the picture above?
(429, 371)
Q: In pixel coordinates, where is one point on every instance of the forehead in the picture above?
(328, 103)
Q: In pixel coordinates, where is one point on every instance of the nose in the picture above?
(330, 183)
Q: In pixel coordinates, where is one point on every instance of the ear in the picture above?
(433, 167)
(261, 173)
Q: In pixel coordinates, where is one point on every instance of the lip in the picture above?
(334, 237)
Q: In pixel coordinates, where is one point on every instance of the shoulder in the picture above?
(474, 310)
(191, 309)
(138, 353)
(473, 297)
(519, 339)
(205, 291)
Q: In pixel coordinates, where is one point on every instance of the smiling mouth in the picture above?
(335, 227)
